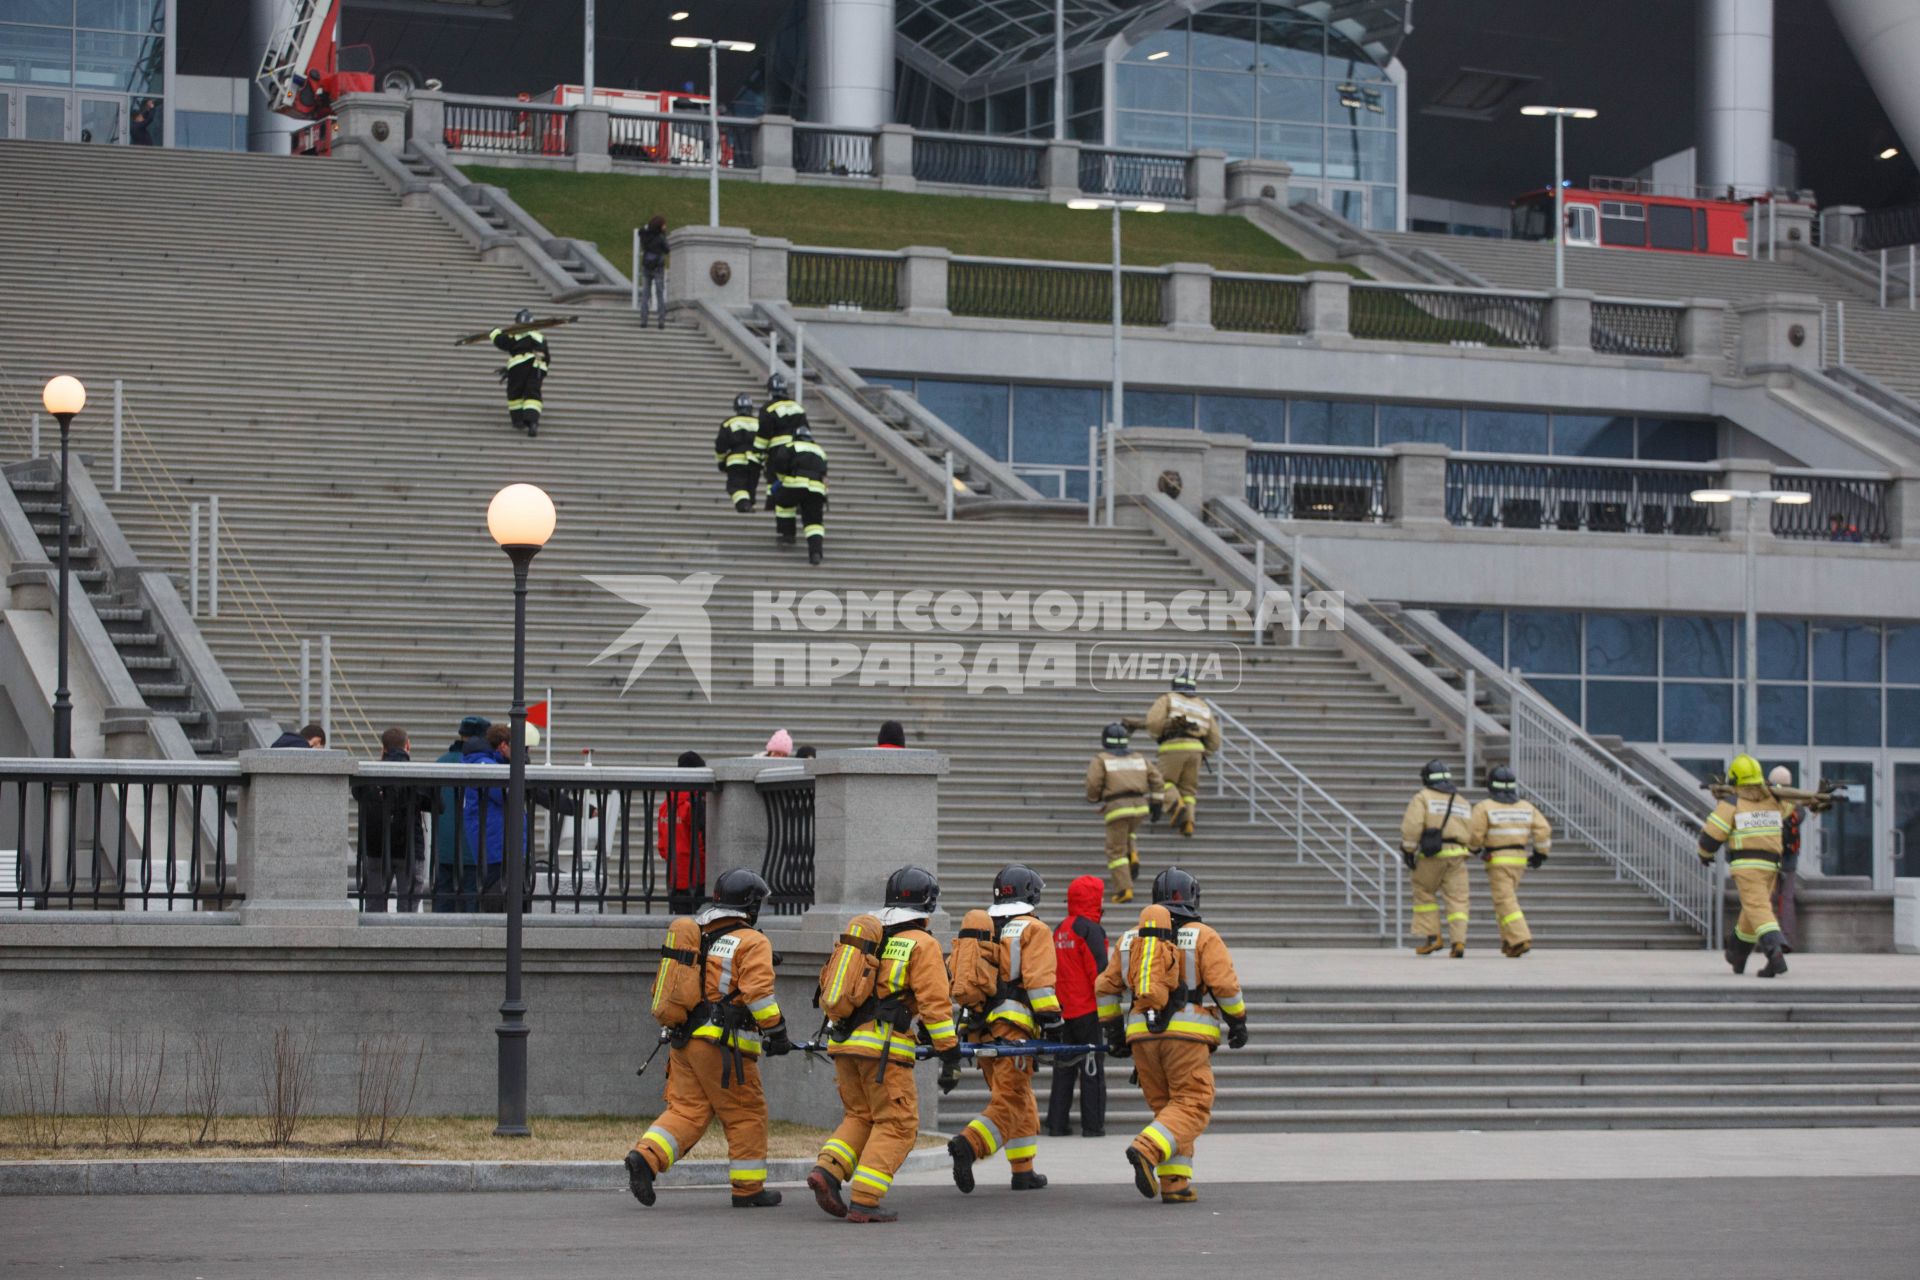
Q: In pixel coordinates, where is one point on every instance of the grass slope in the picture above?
(605, 207)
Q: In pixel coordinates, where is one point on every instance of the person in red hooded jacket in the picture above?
(1080, 945)
(681, 837)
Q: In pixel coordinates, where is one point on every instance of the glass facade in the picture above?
(82, 70)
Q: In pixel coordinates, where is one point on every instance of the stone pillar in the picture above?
(1570, 320)
(1189, 297)
(1840, 226)
(893, 157)
(373, 119)
(1207, 181)
(592, 139)
(874, 810)
(294, 849)
(1143, 455)
(776, 149)
(767, 274)
(1903, 510)
(1729, 518)
(1780, 331)
(1060, 171)
(710, 263)
(1325, 310)
(1703, 330)
(1417, 484)
(923, 280)
(1259, 180)
(427, 118)
(1791, 224)
(737, 817)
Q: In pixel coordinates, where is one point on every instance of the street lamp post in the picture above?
(521, 519)
(64, 398)
(1750, 688)
(713, 48)
(1560, 117)
(1117, 415)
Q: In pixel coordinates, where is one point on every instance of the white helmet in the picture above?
(1780, 777)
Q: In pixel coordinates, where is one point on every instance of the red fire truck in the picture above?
(1629, 213)
(304, 71)
(677, 141)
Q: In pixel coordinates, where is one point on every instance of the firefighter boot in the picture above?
(1029, 1181)
(1775, 948)
(765, 1198)
(1430, 946)
(826, 1191)
(1459, 951)
(857, 1212)
(962, 1152)
(640, 1177)
(1185, 1195)
(816, 552)
(1145, 1181)
(1737, 952)
(743, 504)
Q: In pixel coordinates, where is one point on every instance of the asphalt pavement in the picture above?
(1645, 1229)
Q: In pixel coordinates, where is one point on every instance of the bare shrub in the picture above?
(286, 1083)
(39, 1088)
(384, 1088)
(127, 1072)
(206, 1083)
(104, 1063)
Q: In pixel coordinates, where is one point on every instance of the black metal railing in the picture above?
(1049, 291)
(978, 162)
(433, 838)
(653, 137)
(90, 835)
(1258, 304)
(1887, 228)
(1288, 484)
(865, 281)
(832, 151)
(1843, 509)
(521, 129)
(1143, 175)
(787, 865)
(1401, 313)
(1636, 329)
(1510, 494)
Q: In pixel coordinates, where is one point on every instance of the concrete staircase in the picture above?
(1568, 1058)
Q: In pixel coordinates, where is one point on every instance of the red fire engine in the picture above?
(304, 71)
(1628, 213)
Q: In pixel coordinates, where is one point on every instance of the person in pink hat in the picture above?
(780, 745)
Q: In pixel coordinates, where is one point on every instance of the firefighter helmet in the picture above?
(1016, 886)
(803, 432)
(1744, 771)
(741, 889)
(913, 888)
(1435, 774)
(1178, 892)
(523, 316)
(777, 386)
(1503, 784)
(1183, 683)
(1116, 739)
(743, 403)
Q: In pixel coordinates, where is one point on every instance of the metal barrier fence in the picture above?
(1053, 291)
(1525, 494)
(433, 837)
(844, 279)
(519, 129)
(1593, 798)
(787, 866)
(1145, 175)
(658, 137)
(1887, 228)
(1289, 484)
(1636, 329)
(978, 162)
(1404, 313)
(1844, 508)
(155, 837)
(1315, 825)
(833, 151)
(1259, 304)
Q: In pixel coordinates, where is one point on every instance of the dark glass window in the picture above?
(1848, 652)
(1697, 647)
(1259, 418)
(1629, 708)
(1563, 694)
(1546, 642)
(1592, 436)
(1224, 40)
(1783, 649)
(1341, 424)
(1419, 423)
(1235, 137)
(1159, 408)
(1846, 717)
(1783, 714)
(1903, 717)
(1150, 88)
(1050, 423)
(1484, 629)
(1290, 98)
(1678, 440)
(1505, 431)
(1903, 655)
(1669, 226)
(977, 410)
(1623, 644)
(1222, 93)
(1697, 712)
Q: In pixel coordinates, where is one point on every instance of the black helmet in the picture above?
(1502, 783)
(803, 432)
(1017, 883)
(1435, 774)
(743, 403)
(915, 888)
(523, 316)
(1178, 892)
(1116, 739)
(777, 386)
(1183, 683)
(742, 890)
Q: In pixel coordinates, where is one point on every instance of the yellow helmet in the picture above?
(1744, 771)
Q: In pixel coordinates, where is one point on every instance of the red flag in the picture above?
(537, 715)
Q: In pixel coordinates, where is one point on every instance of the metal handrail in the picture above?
(1320, 828)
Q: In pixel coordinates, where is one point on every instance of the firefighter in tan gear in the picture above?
(1187, 731)
(873, 1054)
(1172, 1051)
(1024, 1006)
(1499, 833)
(712, 1070)
(1433, 841)
(1750, 824)
(1127, 786)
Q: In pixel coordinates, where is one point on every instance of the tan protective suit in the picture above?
(1187, 730)
(739, 963)
(1011, 1121)
(1751, 826)
(882, 1117)
(1126, 787)
(1443, 874)
(1499, 832)
(1175, 1066)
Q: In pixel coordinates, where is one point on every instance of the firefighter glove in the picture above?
(1117, 1040)
(949, 1069)
(1534, 860)
(1407, 858)
(778, 1043)
(1706, 859)
(1236, 1033)
(1049, 1019)
(1157, 810)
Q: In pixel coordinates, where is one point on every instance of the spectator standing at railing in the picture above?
(1841, 529)
(456, 873)
(393, 847)
(311, 736)
(680, 834)
(653, 268)
(484, 816)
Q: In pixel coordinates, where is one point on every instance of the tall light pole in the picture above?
(1059, 70)
(1117, 415)
(713, 48)
(1560, 117)
(64, 398)
(586, 76)
(1753, 498)
(521, 519)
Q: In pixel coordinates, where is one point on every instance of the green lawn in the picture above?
(605, 207)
